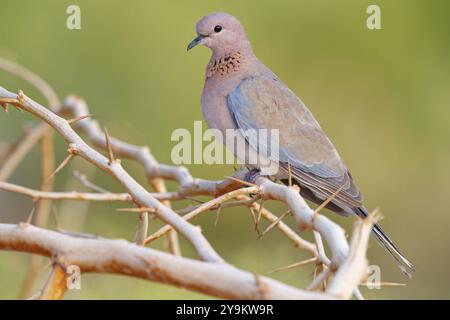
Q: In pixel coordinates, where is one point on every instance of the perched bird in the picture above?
(241, 93)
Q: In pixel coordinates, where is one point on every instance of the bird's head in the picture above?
(220, 32)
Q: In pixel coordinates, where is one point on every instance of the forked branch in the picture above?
(347, 265)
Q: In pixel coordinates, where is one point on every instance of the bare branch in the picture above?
(139, 194)
(306, 217)
(346, 269)
(121, 257)
(82, 196)
(203, 208)
(284, 228)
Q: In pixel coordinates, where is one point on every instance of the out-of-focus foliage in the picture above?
(382, 96)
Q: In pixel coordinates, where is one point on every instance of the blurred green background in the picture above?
(381, 95)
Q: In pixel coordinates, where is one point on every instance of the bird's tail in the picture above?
(405, 266)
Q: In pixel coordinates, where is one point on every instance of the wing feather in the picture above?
(263, 102)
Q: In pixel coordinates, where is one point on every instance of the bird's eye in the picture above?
(217, 29)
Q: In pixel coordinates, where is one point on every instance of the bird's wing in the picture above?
(264, 102)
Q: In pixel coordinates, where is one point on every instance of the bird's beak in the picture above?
(195, 42)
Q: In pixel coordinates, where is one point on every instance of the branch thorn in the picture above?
(74, 120)
(108, 145)
(273, 224)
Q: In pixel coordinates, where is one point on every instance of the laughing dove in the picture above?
(241, 93)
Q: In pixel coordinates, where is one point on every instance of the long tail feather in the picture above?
(405, 266)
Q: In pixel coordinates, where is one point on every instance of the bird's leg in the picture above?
(252, 175)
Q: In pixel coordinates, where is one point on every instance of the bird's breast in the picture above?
(214, 103)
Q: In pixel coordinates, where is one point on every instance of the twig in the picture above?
(84, 180)
(306, 217)
(204, 207)
(381, 284)
(266, 214)
(286, 230)
(82, 196)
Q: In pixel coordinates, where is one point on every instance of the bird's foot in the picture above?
(252, 175)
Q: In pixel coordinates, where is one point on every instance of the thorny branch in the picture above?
(347, 266)
(221, 280)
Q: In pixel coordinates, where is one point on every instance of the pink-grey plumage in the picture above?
(241, 93)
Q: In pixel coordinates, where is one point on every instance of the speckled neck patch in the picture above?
(225, 65)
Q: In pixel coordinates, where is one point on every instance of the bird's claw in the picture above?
(252, 175)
